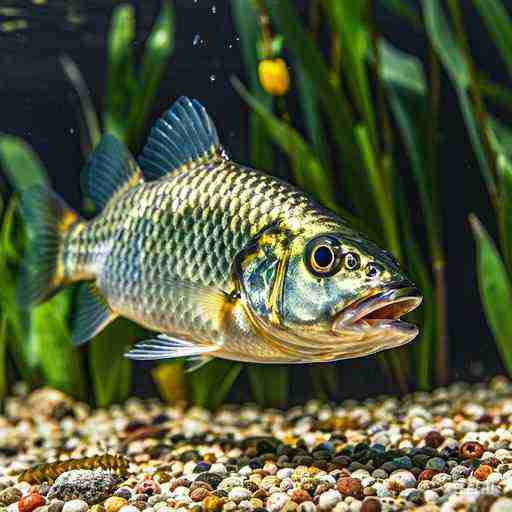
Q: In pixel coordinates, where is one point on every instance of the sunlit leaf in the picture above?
(170, 379)
(495, 291)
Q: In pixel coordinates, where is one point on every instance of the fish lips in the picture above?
(381, 310)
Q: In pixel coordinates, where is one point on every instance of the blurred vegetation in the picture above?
(340, 103)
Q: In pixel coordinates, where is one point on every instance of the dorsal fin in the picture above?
(183, 136)
(109, 171)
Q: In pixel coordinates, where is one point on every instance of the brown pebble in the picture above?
(395, 485)
(349, 486)
(213, 503)
(320, 489)
(199, 494)
(197, 483)
(260, 494)
(141, 505)
(162, 477)
(371, 505)
(427, 474)
(114, 503)
(300, 496)
(482, 472)
(434, 439)
(471, 450)
(251, 486)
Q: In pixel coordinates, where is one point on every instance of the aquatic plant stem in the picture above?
(474, 91)
(436, 251)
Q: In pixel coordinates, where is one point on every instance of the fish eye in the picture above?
(373, 269)
(352, 261)
(322, 256)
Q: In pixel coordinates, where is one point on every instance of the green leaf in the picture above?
(90, 131)
(3, 355)
(269, 384)
(333, 100)
(308, 171)
(495, 291)
(157, 51)
(500, 137)
(51, 351)
(246, 17)
(451, 55)
(499, 26)
(21, 164)
(121, 82)
(111, 372)
(211, 383)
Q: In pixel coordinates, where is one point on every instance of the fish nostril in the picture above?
(373, 269)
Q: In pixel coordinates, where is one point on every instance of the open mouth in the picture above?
(383, 309)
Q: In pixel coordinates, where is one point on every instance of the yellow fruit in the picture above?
(274, 76)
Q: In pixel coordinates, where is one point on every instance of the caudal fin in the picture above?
(48, 220)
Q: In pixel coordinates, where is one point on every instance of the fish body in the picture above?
(224, 260)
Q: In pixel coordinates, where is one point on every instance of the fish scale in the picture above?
(218, 257)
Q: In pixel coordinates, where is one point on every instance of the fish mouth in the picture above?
(381, 312)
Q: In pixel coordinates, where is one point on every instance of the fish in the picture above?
(218, 259)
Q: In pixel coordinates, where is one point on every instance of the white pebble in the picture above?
(329, 499)
(76, 506)
(501, 505)
(275, 502)
(218, 468)
(430, 495)
(307, 506)
(238, 494)
(284, 473)
(127, 508)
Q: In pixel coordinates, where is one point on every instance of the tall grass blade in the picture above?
(495, 291)
(246, 17)
(211, 383)
(405, 10)
(171, 381)
(121, 85)
(111, 372)
(157, 51)
(90, 131)
(499, 26)
(3, 355)
(269, 384)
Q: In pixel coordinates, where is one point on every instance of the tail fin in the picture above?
(48, 220)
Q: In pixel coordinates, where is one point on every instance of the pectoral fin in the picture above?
(167, 347)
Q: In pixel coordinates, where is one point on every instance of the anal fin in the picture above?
(92, 314)
(167, 347)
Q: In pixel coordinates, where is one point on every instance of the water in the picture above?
(40, 105)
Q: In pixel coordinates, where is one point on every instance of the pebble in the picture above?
(9, 495)
(404, 477)
(75, 506)
(90, 486)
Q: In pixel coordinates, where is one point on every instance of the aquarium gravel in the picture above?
(449, 450)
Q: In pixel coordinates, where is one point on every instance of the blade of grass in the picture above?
(121, 85)
(495, 291)
(269, 384)
(334, 102)
(3, 355)
(111, 372)
(59, 363)
(246, 17)
(90, 131)
(499, 26)
(406, 11)
(157, 51)
(171, 381)
(211, 383)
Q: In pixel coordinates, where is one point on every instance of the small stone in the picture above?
(124, 492)
(502, 504)
(149, 487)
(329, 499)
(471, 450)
(350, 487)
(75, 506)
(482, 472)
(31, 502)
(213, 503)
(434, 439)
(87, 485)
(238, 494)
(436, 463)
(300, 496)
(56, 506)
(277, 501)
(371, 505)
(229, 483)
(114, 504)
(199, 494)
(128, 508)
(9, 495)
(404, 478)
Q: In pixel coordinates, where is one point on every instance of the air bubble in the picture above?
(213, 77)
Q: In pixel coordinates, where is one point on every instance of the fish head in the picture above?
(326, 291)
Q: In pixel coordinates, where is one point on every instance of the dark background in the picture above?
(38, 104)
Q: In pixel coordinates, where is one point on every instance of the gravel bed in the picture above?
(449, 450)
